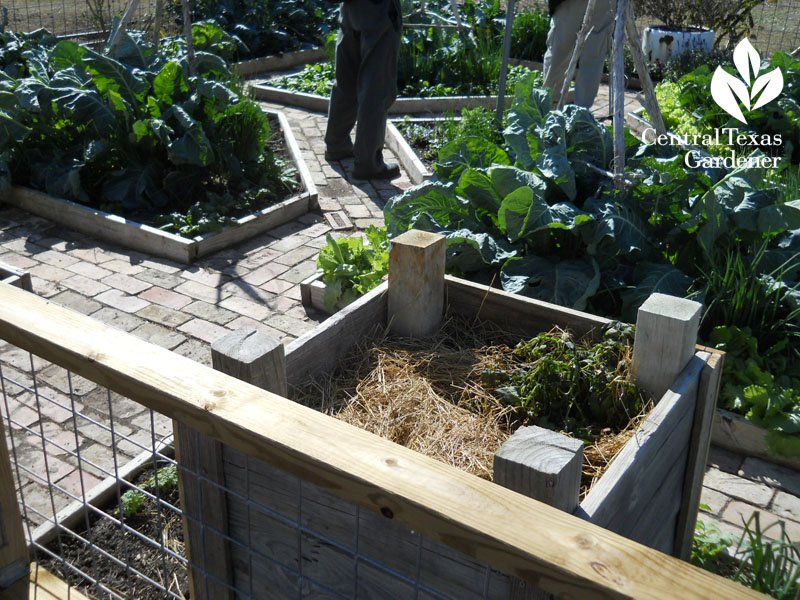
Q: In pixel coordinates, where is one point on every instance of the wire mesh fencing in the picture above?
(74, 18)
(98, 483)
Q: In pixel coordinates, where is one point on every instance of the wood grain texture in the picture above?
(561, 554)
(416, 283)
(541, 464)
(634, 478)
(319, 350)
(312, 293)
(666, 335)
(649, 100)
(707, 393)
(525, 316)
(16, 277)
(252, 356)
(13, 547)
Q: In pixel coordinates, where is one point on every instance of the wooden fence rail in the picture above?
(556, 552)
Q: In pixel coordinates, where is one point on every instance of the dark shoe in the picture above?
(388, 171)
(338, 154)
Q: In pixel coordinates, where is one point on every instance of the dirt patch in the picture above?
(105, 535)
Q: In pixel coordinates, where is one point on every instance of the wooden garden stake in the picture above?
(187, 32)
(115, 41)
(666, 335)
(416, 283)
(618, 94)
(255, 358)
(649, 99)
(585, 30)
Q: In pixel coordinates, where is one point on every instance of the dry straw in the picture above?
(426, 394)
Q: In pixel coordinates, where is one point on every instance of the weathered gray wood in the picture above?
(320, 349)
(252, 356)
(416, 283)
(16, 277)
(13, 548)
(735, 433)
(279, 62)
(312, 293)
(525, 316)
(417, 172)
(707, 394)
(635, 475)
(542, 464)
(648, 99)
(617, 91)
(258, 359)
(666, 335)
(115, 41)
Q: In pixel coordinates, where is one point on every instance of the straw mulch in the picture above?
(426, 394)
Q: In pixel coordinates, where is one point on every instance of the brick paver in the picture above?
(255, 284)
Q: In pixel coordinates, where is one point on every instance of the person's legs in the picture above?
(343, 107)
(377, 90)
(564, 26)
(595, 52)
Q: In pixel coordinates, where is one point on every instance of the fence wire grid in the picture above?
(96, 480)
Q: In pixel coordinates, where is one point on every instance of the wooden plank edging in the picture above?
(415, 169)
(735, 433)
(153, 241)
(278, 62)
(561, 554)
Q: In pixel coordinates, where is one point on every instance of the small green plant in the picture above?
(350, 268)
(771, 566)
(163, 483)
(708, 544)
(529, 34)
(570, 385)
(131, 502)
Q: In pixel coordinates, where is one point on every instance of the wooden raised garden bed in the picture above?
(650, 493)
(128, 233)
(16, 277)
(279, 62)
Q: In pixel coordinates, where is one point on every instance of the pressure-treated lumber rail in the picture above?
(540, 544)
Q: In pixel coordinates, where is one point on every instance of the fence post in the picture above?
(666, 335)
(14, 558)
(255, 358)
(544, 465)
(416, 283)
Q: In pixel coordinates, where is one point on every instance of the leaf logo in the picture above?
(729, 91)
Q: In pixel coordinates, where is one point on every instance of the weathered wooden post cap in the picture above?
(416, 283)
(542, 464)
(666, 335)
(252, 356)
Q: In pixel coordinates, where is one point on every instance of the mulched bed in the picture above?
(164, 524)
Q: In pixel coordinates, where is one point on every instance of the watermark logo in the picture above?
(752, 90)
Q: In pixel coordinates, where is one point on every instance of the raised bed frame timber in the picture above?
(650, 493)
(279, 62)
(541, 545)
(130, 234)
(16, 277)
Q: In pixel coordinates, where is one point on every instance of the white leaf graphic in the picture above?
(723, 88)
(771, 83)
(745, 57)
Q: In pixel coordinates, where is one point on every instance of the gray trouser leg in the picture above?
(377, 90)
(561, 40)
(343, 106)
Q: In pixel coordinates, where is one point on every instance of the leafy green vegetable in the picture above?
(350, 268)
(558, 381)
(134, 133)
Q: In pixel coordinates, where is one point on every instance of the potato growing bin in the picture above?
(650, 493)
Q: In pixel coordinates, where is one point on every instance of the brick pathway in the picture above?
(185, 309)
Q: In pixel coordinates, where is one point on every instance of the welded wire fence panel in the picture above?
(99, 488)
(777, 26)
(71, 17)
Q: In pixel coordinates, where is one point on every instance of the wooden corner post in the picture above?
(666, 335)
(255, 358)
(544, 465)
(416, 283)
(13, 547)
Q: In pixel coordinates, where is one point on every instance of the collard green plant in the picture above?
(134, 133)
